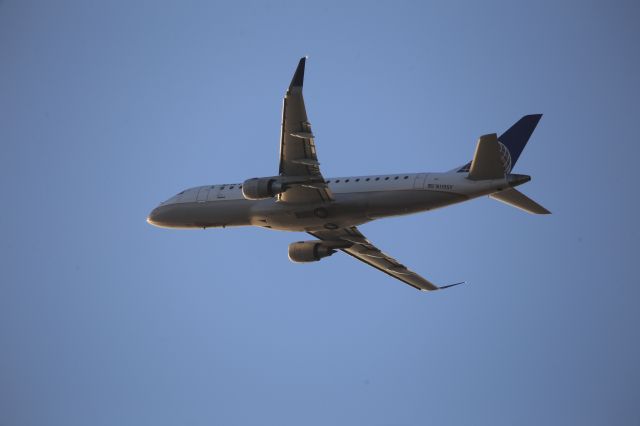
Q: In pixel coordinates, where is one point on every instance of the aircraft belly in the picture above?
(344, 211)
(348, 209)
(395, 203)
(227, 213)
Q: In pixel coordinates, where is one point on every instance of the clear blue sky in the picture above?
(108, 108)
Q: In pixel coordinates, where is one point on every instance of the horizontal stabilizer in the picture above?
(487, 161)
(517, 199)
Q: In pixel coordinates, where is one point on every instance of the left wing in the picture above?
(297, 148)
(363, 250)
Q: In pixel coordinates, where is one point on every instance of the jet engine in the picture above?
(309, 251)
(261, 188)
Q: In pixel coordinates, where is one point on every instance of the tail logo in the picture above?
(505, 157)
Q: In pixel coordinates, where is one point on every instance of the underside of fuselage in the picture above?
(348, 209)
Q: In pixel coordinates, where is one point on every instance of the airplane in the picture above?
(299, 198)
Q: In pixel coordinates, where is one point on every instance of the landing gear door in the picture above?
(420, 180)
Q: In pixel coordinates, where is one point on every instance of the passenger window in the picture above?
(377, 178)
(337, 180)
(387, 178)
(368, 179)
(395, 178)
(406, 177)
(357, 180)
(347, 180)
(231, 187)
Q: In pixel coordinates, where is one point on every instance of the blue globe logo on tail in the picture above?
(505, 157)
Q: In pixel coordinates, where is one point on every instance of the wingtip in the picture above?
(451, 285)
(298, 76)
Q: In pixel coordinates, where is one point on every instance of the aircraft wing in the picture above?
(297, 148)
(363, 250)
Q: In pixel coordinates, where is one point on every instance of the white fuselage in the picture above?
(357, 200)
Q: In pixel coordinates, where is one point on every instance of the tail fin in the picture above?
(512, 142)
(518, 135)
(515, 198)
(495, 157)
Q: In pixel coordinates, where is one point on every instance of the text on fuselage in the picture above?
(439, 186)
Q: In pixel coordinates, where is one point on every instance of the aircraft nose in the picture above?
(152, 219)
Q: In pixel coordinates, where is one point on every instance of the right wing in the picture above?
(297, 147)
(363, 250)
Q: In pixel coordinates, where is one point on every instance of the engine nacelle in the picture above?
(309, 251)
(261, 188)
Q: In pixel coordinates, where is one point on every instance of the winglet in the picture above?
(298, 77)
(451, 285)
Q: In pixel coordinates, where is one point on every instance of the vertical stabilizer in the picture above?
(512, 142)
(518, 135)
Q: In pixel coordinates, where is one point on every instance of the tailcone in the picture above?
(514, 180)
